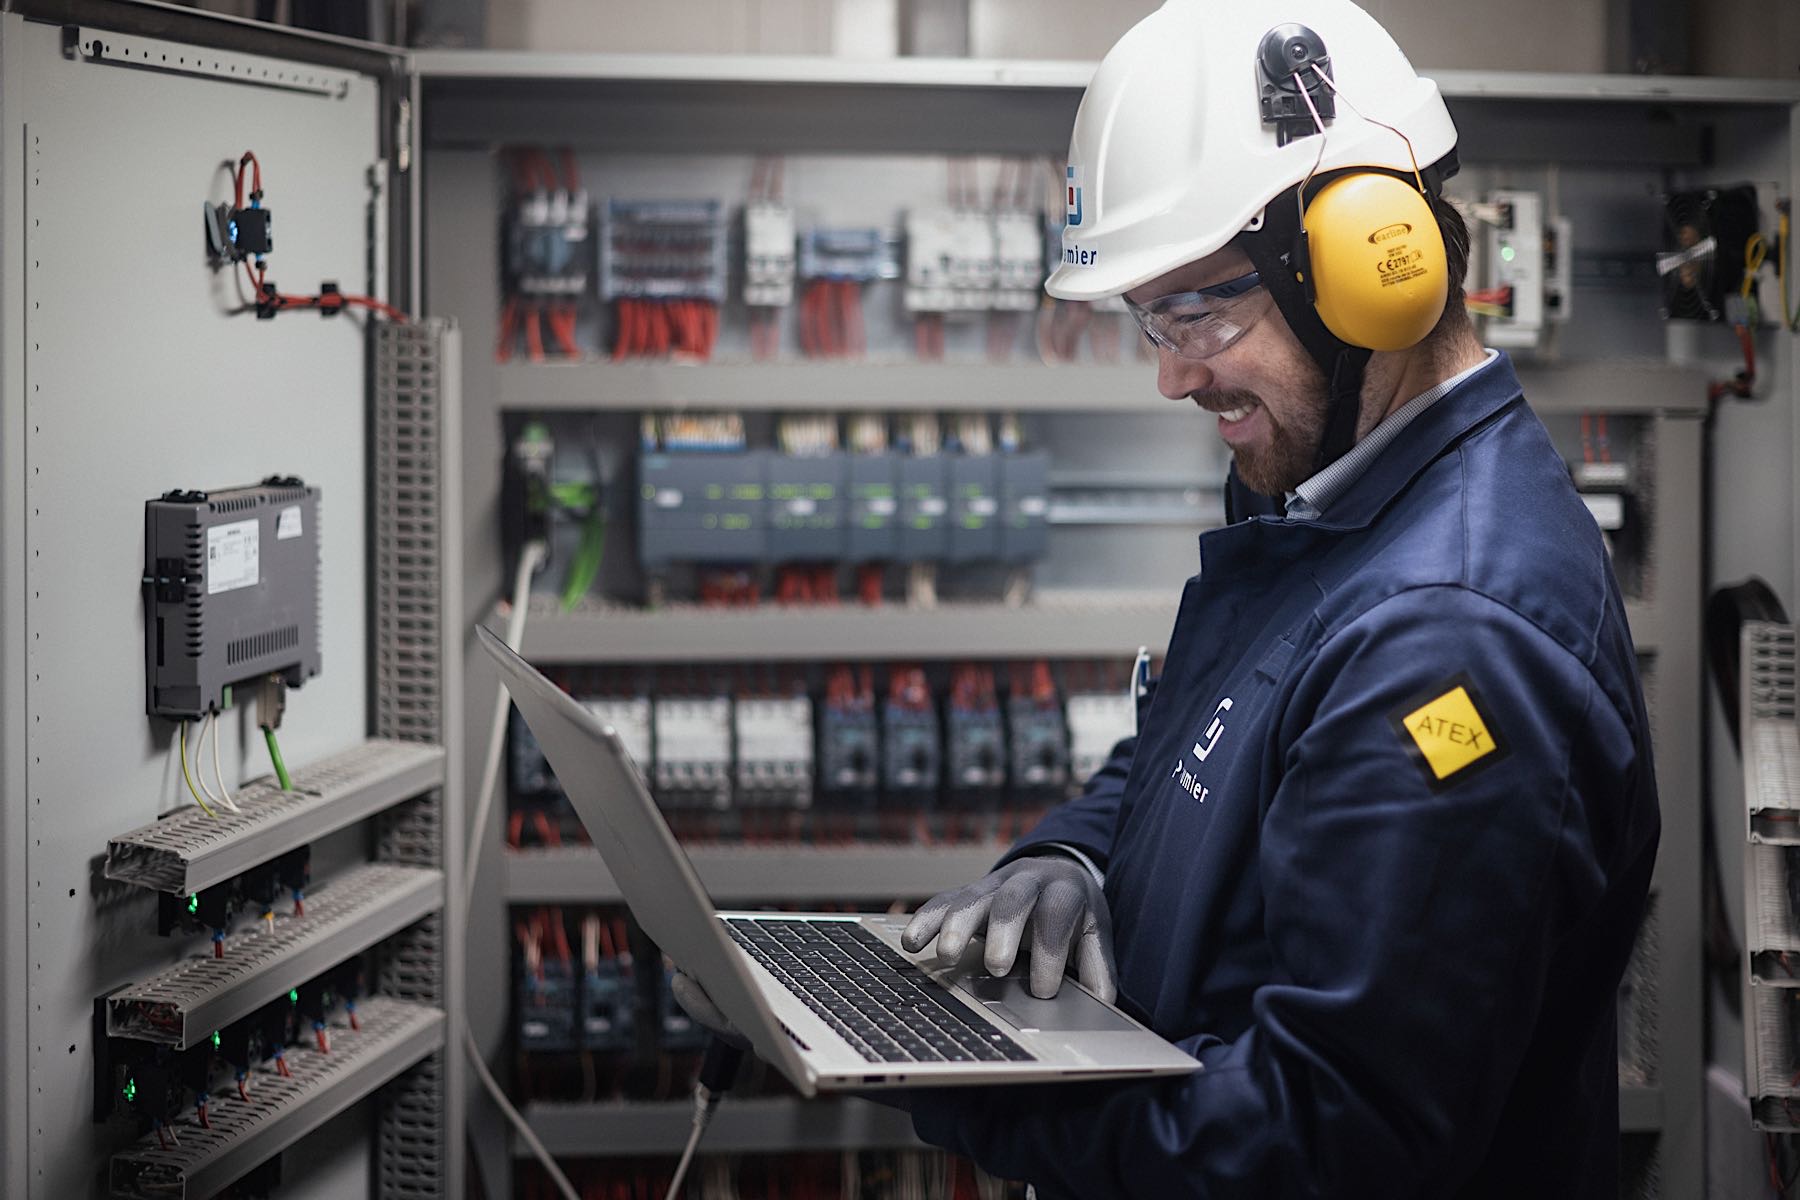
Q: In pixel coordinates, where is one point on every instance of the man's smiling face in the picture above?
(1269, 394)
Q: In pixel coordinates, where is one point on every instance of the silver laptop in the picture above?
(831, 1000)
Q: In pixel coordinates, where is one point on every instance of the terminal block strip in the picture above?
(395, 1034)
(188, 850)
(184, 1004)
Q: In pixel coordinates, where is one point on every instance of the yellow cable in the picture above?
(1756, 252)
(1790, 319)
(192, 791)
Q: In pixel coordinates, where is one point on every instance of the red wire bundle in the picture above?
(928, 336)
(806, 585)
(729, 589)
(653, 328)
(533, 172)
(869, 578)
(908, 688)
(831, 320)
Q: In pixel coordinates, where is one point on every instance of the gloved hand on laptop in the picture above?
(1054, 896)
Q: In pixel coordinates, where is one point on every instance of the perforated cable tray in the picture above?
(187, 850)
(395, 1034)
(184, 1004)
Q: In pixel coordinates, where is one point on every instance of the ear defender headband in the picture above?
(1356, 264)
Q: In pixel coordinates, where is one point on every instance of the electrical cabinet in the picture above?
(1108, 512)
(292, 1020)
(1098, 507)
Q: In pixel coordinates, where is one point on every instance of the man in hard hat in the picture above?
(1378, 853)
(1379, 850)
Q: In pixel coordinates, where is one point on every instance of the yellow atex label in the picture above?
(1449, 732)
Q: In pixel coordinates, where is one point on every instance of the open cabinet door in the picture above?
(133, 363)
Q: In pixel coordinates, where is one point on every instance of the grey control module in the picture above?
(231, 592)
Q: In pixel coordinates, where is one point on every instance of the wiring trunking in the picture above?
(1770, 740)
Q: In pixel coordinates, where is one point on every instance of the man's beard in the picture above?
(1286, 459)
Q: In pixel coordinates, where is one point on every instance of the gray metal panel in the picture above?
(757, 1126)
(18, 155)
(198, 995)
(188, 850)
(99, 432)
(673, 106)
(1593, 386)
(442, 65)
(1640, 1110)
(1676, 598)
(1052, 627)
(463, 278)
(758, 874)
(394, 1035)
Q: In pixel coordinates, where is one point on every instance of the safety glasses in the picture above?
(1201, 323)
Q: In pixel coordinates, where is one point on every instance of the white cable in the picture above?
(219, 772)
(529, 559)
(199, 767)
(704, 1104)
(519, 1123)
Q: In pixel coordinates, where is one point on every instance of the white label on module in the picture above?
(1602, 474)
(1608, 510)
(287, 525)
(882, 506)
(984, 506)
(803, 507)
(668, 497)
(933, 506)
(232, 559)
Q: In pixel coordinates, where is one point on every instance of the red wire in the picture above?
(534, 334)
(853, 315)
(509, 328)
(562, 935)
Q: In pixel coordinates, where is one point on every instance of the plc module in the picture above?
(231, 592)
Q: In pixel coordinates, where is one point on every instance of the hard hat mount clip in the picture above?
(1292, 65)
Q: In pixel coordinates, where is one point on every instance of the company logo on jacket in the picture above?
(1202, 750)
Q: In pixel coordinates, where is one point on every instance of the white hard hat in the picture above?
(1171, 157)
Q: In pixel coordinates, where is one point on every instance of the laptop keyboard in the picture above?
(870, 994)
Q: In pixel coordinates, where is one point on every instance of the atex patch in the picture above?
(1446, 731)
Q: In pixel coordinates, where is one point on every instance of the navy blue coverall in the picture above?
(1377, 855)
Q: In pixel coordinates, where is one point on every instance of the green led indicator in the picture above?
(130, 1091)
(216, 1039)
(294, 996)
(1507, 254)
(194, 903)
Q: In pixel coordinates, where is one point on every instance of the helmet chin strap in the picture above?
(1278, 252)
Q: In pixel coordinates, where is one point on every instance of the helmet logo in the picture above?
(1074, 196)
(1388, 233)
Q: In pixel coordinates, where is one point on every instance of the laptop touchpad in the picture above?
(1072, 1011)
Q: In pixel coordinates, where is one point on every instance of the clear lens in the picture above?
(1195, 325)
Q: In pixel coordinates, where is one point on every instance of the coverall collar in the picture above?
(1488, 391)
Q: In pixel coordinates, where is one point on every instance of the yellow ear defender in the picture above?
(1376, 262)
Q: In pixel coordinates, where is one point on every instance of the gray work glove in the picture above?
(1053, 895)
(699, 1006)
